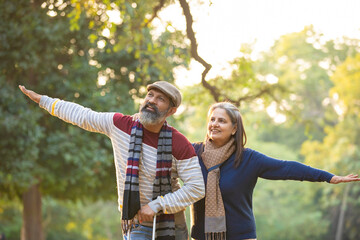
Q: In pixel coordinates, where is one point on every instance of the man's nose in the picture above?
(151, 100)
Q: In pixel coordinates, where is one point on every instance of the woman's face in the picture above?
(220, 128)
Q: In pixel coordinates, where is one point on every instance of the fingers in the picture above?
(145, 214)
(23, 89)
(31, 94)
(344, 179)
(140, 216)
(136, 116)
(350, 178)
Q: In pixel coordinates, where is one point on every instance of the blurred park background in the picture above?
(300, 100)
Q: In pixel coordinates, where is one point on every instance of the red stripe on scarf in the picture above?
(163, 173)
(132, 171)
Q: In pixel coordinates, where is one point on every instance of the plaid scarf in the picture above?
(165, 225)
(213, 157)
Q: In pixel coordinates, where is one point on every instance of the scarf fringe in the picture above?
(215, 236)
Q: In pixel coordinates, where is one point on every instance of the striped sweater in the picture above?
(118, 127)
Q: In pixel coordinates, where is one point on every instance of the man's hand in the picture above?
(146, 214)
(31, 94)
(343, 179)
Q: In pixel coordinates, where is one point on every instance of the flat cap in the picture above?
(168, 89)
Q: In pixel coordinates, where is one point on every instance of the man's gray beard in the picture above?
(149, 118)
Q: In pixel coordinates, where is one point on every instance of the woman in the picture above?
(230, 173)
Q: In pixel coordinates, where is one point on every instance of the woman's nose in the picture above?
(215, 123)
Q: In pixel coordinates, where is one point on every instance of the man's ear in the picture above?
(171, 111)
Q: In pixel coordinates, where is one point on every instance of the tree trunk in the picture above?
(32, 220)
(340, 226)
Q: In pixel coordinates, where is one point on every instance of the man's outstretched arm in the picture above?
(73, 113)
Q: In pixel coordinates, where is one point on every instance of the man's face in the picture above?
(155, 108)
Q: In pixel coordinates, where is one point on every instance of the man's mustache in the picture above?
(150, 105)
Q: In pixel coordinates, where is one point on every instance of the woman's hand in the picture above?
(136, 116)
(343, 179)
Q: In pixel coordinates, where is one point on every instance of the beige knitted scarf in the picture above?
(213, 157)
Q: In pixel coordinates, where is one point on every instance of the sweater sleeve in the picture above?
(78, 115)
(271, 168)
(193, 189)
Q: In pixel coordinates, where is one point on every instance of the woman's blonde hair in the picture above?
(236, 119)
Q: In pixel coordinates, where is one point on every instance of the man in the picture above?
(150, 156)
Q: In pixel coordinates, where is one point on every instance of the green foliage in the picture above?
(303, 62)
(20, 129)
(10, 218)
(339, 150)
(196, 102)
(66, 220)
(43, 63)
(58, 55)
(81, 220)
(310, 72)
(347, 85)
(59, 48)
(64, 55)
(286, 210)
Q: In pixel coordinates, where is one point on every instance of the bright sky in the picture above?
(224, 25)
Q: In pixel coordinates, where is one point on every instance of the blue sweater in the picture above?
(237, 185)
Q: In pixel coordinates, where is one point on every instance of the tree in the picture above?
(60, 49)
(297, 72)
(339, 150)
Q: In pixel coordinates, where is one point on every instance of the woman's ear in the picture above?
(234, 130)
